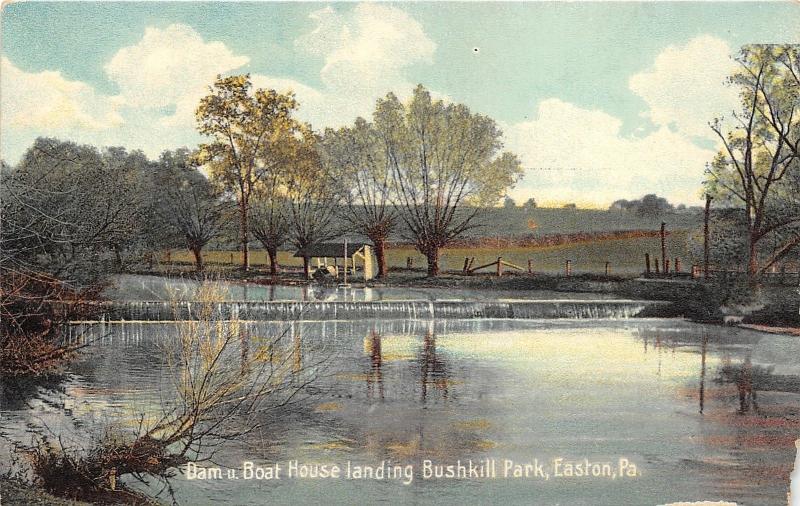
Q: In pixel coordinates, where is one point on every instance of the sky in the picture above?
(601, 101)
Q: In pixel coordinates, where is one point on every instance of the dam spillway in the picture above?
(356, 310)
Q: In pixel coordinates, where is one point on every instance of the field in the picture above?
(626, 256)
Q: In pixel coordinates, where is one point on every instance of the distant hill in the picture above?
(505, 222)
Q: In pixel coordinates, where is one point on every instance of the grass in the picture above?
(626, 256)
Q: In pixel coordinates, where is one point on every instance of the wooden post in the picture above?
(647, 263)
(466, 264)
(677, 265)
(666, 267)
(608, 268)
(658, 269)
(409, 263)
(499, 266)
(530, 266)
(783, 273)
(568, 268)
(664, 247)
(345, 261)
(231, 258)
(706, 236)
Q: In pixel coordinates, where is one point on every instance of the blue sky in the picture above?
(601, 100)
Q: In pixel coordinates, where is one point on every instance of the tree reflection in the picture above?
(433, 369)
(375, 375)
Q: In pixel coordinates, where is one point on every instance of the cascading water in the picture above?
(347, 310)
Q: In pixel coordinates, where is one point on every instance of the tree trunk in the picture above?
(307, 267)
(752, 262)
(198, 258)
(432, 255)
(244, 233)
(273, 260)
(380, 256)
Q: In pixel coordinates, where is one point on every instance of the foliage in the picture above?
(757, 168)
(649, 205)
(248, 130)
(443, 158)
(313, 192)
(68, 208)
(190, 205)
(359, 158)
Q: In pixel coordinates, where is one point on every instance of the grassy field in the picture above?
(625, 255)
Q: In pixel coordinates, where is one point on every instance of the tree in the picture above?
(446, 163)
(244, 128)
(652, 205)
(759, 160)
(66, 207)
(358, 157)
(271, 214)
(313, 193)
(508, 203)
(191, 205)
(530, 204)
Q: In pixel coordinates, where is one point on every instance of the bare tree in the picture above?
(222, 386)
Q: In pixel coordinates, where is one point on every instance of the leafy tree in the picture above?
(757, 167)
(313, 194)
(446, 163)
(358, 156)
(245, 128)
(530, 204)
(67, 207)
(190, 204)
(508, 203)
(271, 217)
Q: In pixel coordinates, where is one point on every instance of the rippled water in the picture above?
(445, 390)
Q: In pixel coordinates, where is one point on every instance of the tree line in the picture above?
(421, 169)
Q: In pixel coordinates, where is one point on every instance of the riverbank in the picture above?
(16, 493)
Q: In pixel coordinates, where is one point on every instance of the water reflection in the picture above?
(458, 389)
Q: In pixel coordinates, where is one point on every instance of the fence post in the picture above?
(466, 264)
(530, 266)
(677, 265)
(664, 247)
(499, 266)
(647, 263)
(658, 269)
(608, 269)
(568, 268)
(409, 263)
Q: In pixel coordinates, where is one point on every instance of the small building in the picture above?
(359, 254)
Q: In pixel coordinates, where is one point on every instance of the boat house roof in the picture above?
(331, 250)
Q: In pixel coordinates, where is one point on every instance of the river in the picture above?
(656, 394)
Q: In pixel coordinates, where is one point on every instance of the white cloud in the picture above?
(684, 88)
(579, 155)
(366, 54)
(49, 102)
(170, 68)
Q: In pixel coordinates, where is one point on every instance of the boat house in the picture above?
(358, 256)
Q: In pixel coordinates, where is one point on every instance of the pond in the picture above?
(661, 395)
